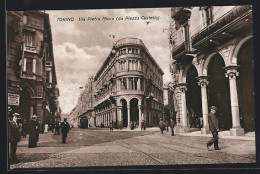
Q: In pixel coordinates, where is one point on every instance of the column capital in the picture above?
(231, 71)
(203, 81)
(183, 87)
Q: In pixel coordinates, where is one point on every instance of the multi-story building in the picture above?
(85, 104)
(213, 64)
(128, 86)
(170, 109)
(31, 71)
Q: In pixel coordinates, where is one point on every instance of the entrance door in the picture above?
(124, 112)
(134, 112)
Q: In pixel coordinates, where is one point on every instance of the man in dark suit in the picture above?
(161, 125)
(14, 135)
(64, 130)
(172, 124)
(213, 127)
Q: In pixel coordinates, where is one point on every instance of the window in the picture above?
(208, 15)
(27, 38)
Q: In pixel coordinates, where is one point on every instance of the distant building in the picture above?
(31, 75)
(128, 86)
(213, 64)
(170, 109)
(85, 110)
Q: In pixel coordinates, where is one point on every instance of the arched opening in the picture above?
(193, 99)
(218, 91)
(246, 86)
(25, 103)
(134, 112)
(124, 112)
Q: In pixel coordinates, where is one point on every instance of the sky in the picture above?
(81, 47)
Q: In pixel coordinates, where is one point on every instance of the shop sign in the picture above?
(13, 99)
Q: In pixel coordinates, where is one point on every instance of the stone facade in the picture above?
(30, 66)
(128, 86)
(213, 64)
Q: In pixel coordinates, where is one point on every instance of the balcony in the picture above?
(228, 23)
(30, 48)
(32, 27)
(181, 14)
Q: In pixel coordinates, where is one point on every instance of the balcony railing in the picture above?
(29, 48)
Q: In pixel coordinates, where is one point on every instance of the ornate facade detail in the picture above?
(231, 72)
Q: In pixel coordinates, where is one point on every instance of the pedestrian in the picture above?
(14, 135)
(57, 128)
(64, 130)
(24, 130)
(213, 127)
(172, 124)
(132, 125)
(161, 125)
(33, 128)
(142, 124)
(111, 126)
(46, 127)
(167, 125)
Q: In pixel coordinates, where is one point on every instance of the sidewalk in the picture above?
(250, 136)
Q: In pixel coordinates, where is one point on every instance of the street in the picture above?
(100, 147)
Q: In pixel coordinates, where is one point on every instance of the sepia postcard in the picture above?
(130, 87)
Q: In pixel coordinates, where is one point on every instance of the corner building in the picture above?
(31, 74)
(213, 64)
(128, 87)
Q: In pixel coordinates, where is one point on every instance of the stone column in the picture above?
(183, 89)
(138, 84)
(127, 82)
(231, 73)
(140, 116)
(138, 65)
(128, 116)
(203, 82)
(127, 65)
(119, 114)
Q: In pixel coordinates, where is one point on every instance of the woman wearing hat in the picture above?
(213, 127)
(33, 126)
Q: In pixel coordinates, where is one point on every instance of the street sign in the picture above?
(13, 99)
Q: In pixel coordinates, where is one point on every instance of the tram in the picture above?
(83, 122)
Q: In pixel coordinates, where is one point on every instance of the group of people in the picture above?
(16, 130)
(164, 125)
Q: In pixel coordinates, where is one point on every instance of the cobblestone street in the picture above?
(100, 147)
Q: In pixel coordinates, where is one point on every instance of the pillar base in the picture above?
(237, 131)
(205, 130)
(181, 129)
(177, 129)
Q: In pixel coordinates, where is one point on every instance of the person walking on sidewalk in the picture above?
(64, 130)
(172, 124)
(33, 128)
(14, 135)
(213, 127)
(161, 125)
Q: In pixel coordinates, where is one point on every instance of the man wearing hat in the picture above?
(14, 135)
(33, 129)
(64, 130)
(213, 127)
